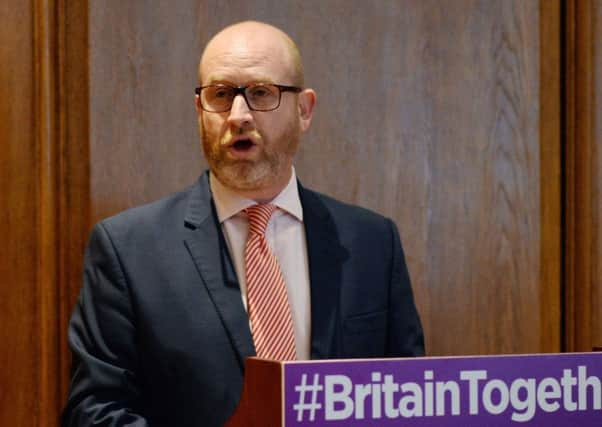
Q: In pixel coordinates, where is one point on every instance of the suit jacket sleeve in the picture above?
(105, 388)
(405, 336)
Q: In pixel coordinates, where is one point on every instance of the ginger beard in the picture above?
(270, 165)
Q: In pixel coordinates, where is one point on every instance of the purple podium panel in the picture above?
(531, 390)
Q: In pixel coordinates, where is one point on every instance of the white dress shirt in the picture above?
(285, 234)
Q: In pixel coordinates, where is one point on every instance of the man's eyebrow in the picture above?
(218, 79)
(263, 80)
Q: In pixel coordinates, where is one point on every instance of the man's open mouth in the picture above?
(243, 145)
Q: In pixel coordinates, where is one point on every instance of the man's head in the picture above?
(251, 151)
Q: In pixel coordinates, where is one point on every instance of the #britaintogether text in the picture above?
(383, 397)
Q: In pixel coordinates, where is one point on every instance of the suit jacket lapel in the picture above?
(325, 256)
(208, 249)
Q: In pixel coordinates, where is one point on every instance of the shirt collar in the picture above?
(228, 203)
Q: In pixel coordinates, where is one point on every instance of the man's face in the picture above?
(250, 151)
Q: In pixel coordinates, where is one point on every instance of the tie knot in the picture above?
(259, 216)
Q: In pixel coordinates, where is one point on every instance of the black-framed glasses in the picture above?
(218, 98)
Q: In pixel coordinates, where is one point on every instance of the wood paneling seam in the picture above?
(45, 84)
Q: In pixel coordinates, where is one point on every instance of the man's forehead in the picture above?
(252, 47)
(238, 75)
(261, 61)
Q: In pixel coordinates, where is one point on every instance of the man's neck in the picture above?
(263, 194)
(229, 202)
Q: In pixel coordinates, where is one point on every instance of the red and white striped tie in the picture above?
(267, 301)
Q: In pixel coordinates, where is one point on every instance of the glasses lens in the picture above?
(263, 97)
(217, 98)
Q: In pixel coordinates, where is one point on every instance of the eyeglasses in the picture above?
(259, 97)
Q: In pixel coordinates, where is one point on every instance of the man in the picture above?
(172, 301)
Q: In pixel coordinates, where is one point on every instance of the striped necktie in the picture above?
(267, 301)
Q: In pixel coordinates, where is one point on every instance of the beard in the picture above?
(271, 164)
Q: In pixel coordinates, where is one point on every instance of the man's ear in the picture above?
(307, 101)
(197, 103)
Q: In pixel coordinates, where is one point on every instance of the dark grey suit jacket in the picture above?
(159, 334)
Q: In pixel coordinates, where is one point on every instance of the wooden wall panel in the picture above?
(18, 220)
(46, 102)
(446, 142)
(596, 310)
(44, 192)
(581, 209)
(29, 270)
(426, 113)
(143, 138)
(550, 125)
(73, 166)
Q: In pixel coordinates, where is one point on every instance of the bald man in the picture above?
(169, 306)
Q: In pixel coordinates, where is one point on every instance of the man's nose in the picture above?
(240, 113)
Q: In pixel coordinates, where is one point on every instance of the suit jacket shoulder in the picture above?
(167, 213)
(352, 224)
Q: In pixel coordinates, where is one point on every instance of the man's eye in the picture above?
(221, 93)
(260, 92)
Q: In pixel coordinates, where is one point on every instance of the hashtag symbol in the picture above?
(302, 406)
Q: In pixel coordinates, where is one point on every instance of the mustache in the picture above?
(238, 134)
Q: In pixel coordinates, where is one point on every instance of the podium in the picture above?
(514, 390)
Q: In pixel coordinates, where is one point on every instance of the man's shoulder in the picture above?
(342, 211)
(165, 214)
